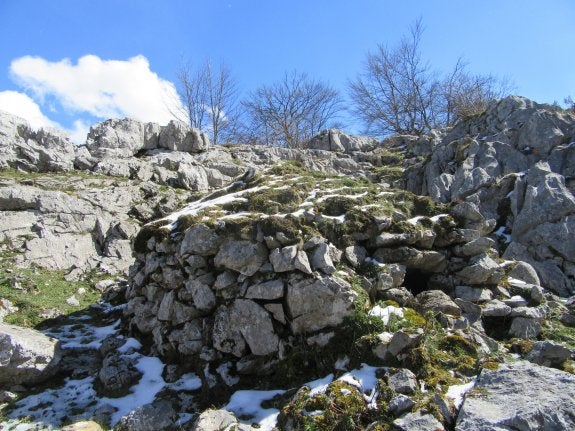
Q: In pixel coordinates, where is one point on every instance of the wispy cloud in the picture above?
(23, 106)
(102, 88)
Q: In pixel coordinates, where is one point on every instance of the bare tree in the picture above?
(398, 92)
(291, 111)
(464, 95)
(209, 96)
(395, 92)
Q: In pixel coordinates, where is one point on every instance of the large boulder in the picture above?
(519, 395)
(27, 356)
(315, 304)
(177, 136)
(118, 138)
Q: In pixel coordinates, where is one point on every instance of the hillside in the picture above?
(410, 284)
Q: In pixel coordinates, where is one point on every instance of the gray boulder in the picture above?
(519, 396)
(217, 420)
(156, 416)
(116, 138)
(118, 374)
(315, 304)
(437, 301)
(481, 270)
(417, 421)
(403, 381)
(548, 353)
(244, 327)
(27, 356)
(242, 256)
(177, 136)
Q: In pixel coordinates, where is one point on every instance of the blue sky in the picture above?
(70, 63)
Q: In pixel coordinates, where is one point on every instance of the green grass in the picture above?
(39, 290)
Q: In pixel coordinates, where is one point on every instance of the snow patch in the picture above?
(457, 392)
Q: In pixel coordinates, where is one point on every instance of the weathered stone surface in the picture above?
(496, 308)
(244, 257)
(201, 240)
(321, 259)
(269, 290)
(177, 136)
(159, 415)
(524, 327)
(282, 259)
(244, 325)
(336, 140)
(437, 301)
(315, 304)
(400, 404)
(524, 272)
(548, 354)
(355, 255)
(115, 138)
(45, 150)
(214, 420)
(26, 356)
(118, 374)
(519, 395)
(481, 270)
(417, 422)
(474, 294)
(403, 381)
(475, 247)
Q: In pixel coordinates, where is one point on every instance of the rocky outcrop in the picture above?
(21, 147)
(77, 222)
(522, 396)
(27, 357)
(336, 140)
(511, 163)
(239, 275)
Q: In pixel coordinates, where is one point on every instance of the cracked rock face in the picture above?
(522, 396)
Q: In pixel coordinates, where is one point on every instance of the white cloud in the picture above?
(102, 88)
(79, 132)
(23, 106)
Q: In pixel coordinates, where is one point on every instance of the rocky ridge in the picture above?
(291, 272)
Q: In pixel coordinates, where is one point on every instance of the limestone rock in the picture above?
(524, 272)
(315, 304)
(116, 138)
(548, 353)
(400, 404)
(437, 301)
(26, 356)
(519, 395)
(417, 422)
(177, 136)
(201, 240)
(155, 416)
(403, 381)
(214, 420)
(496, 308)
(118, 374)
(336, 140)
(524, 327)
(242, 256)
(481, 270)
(244, 325)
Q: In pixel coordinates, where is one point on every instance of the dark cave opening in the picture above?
(497, 327)
(416, 281)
